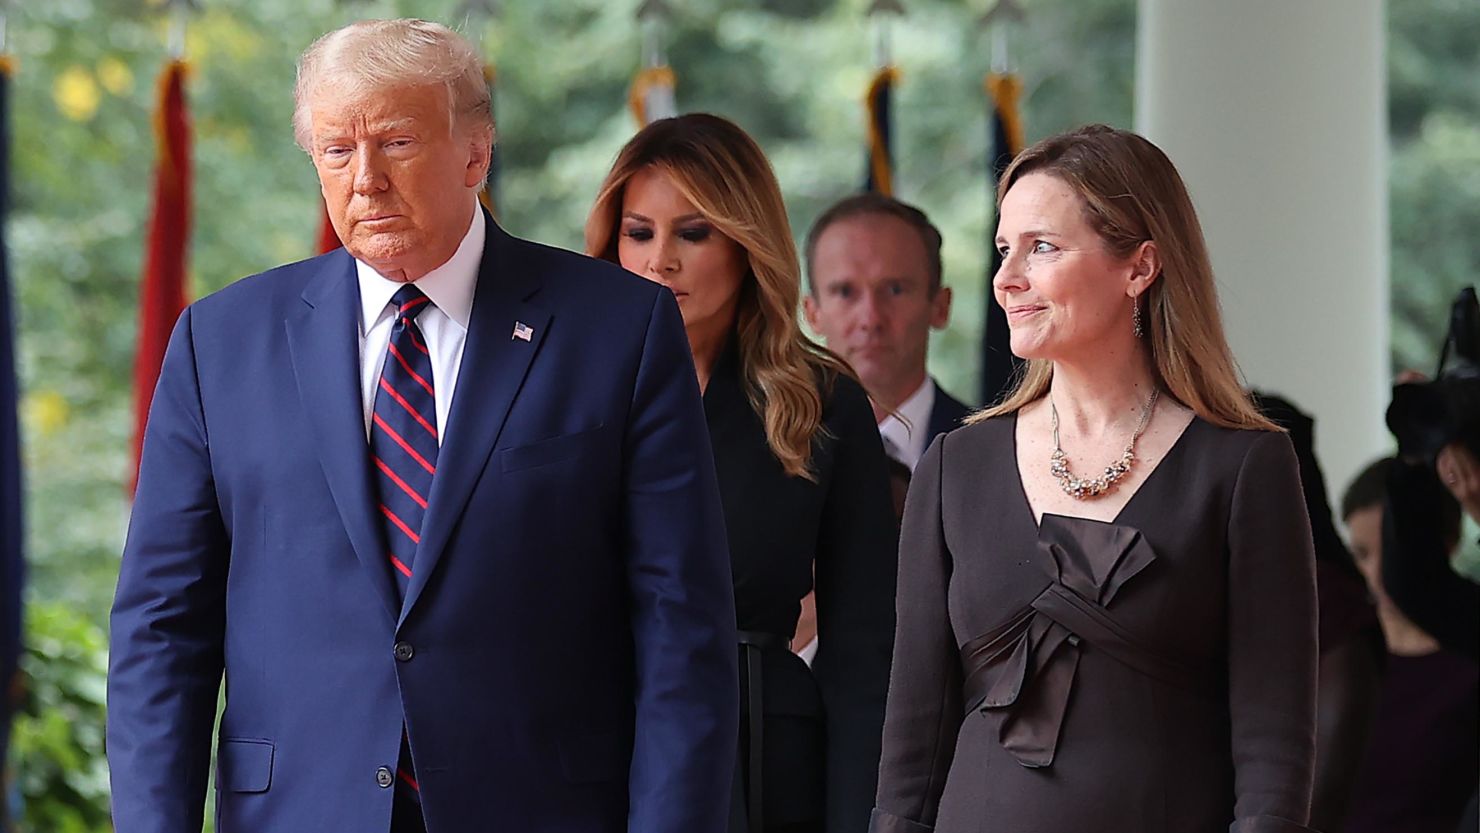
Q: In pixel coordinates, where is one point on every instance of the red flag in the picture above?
(162, 293)
(328, 237)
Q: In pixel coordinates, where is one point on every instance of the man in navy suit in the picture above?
(875, 293)
(440, 506)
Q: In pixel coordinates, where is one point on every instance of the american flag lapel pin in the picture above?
(522, 331)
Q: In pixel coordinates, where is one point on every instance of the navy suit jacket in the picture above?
(565, 656)
(946, 413)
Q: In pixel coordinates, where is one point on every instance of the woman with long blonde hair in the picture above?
(1106, 587)
(692, 203)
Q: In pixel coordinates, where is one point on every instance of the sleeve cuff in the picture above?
(886, 822)
(1267, 824)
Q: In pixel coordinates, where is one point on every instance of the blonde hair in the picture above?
(380, 54)
(1132, 193)
(722, 171)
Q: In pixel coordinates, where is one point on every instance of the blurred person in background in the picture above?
(1419, 768)
(1351, 648)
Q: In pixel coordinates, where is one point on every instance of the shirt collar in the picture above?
(912, 438)
(450, 286)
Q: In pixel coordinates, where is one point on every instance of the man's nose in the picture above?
(370, 175)
(871, 311)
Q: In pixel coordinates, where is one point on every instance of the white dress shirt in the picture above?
(910, 441)
(444, 324)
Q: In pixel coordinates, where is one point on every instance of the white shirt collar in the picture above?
(449, 286)
(911, 439)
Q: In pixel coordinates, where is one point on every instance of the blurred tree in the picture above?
(1434, 113)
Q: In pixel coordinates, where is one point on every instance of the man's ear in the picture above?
(809, 309)
(940, 308)
(480, 156)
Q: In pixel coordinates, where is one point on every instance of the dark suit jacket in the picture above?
(566, 652)
(946, 412)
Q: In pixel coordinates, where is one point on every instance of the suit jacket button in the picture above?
(384, 777)
(404, 652)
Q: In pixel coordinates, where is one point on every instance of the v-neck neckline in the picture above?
(1027, 504)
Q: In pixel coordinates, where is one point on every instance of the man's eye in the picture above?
(1043, 247)
(1003, 251)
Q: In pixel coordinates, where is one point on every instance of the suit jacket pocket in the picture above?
(549, 451)
(244, 766)
(598, 756)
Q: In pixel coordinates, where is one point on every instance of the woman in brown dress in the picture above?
(1106, 612)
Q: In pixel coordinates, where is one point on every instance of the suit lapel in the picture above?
(494, 366)
(323, 340)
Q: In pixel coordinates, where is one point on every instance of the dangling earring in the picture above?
(1136, 317)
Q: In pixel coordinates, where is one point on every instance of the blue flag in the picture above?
(11, 565)
(999, 367)
(879, 163)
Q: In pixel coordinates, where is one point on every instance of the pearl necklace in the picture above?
(1058, 463)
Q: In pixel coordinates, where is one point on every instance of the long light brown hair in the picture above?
(1132, 193)
(723, 172)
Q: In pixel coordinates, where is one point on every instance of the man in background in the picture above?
(874, 294)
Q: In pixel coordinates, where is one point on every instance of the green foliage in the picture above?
(58, 736)
(1434, 109)
(792, 73)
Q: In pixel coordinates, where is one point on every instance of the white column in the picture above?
(1275, 112)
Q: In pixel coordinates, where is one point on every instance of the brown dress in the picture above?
(1151, 675)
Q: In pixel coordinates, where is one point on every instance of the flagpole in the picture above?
(651, 96)
(653, 16)
(179, 21)
(1004, 16)
(162, 287)
(882, 14)
(1002, 86)
(879, 165)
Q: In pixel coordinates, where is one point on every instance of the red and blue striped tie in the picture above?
(403, 435)
(403, 445)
